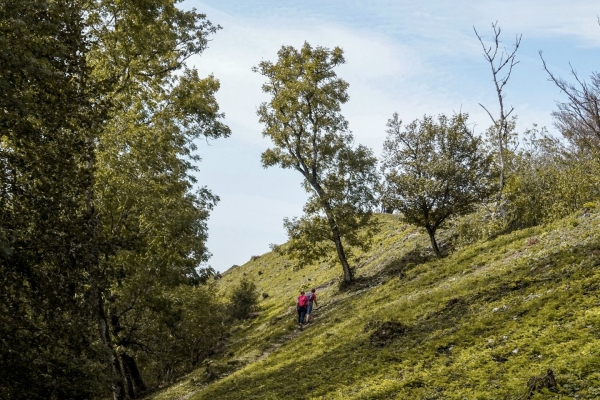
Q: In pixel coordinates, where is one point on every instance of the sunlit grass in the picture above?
(479, 323)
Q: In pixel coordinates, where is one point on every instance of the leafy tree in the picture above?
(243, 300)
(99, 219)
(169, 331)
(48, 119)
(310, 135)
(435, 170)
(551, 180)
(152, 220)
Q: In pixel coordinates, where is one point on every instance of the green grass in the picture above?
(477, 324)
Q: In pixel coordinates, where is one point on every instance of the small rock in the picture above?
(387, 332)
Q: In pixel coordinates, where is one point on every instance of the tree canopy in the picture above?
(435, 169)
(303, 119)
(102, 226)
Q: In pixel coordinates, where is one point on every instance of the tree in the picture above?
(578, 119)
(152, 221)
(310, 135)
(500, 131)
(243, 300)
(435, 170)
(48, 118)
(102, 230)
(551, 180)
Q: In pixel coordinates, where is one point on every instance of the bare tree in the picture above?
(578, 119)
(501, 62)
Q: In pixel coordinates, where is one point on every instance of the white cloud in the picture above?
(550, 18)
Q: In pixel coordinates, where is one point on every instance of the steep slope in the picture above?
(486, 322)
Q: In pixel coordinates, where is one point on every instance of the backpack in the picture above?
(309, 296)
(302, 301)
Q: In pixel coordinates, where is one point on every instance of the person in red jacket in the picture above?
(301, 307)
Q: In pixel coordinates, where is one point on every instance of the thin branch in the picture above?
(489, 113)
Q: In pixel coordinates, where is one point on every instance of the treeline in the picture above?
(435, 171)
(103, 227)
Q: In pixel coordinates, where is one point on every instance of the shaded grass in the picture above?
(479, 323)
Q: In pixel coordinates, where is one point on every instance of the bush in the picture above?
(479, 225)
(183, 327)
(547, 183)
(244, 300)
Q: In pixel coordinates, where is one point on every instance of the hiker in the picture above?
(301, 306)
(312, 298)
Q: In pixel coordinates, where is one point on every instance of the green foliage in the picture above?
(182, 327)
(102, 228)
(547, 181)
(47, 237)
(482, 323)
(310, 135)
(243, 300)
(152, 218)
(476, 226)
(435, 170)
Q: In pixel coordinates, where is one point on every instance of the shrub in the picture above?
(547, 183)
(243, 300)
(477, 226)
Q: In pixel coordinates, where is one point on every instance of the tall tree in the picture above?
(48, 118)
(435, 170)
(501, 63)
(102, 231)
(310, 135)
(153, 222)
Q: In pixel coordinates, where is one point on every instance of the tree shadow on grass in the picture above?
(396, 267)
(320, 374)
(433, 336)
(329, 369)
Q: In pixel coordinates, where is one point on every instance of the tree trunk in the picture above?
(335, 231)
(502, 164)
(128, 380)
(133, 374)
(340, 250)
(118, 388)
(434, 245)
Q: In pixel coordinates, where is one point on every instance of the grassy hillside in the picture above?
(479, 324)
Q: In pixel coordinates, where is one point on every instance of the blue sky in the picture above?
(410, 57)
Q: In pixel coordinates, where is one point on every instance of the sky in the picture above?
(409, 57)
